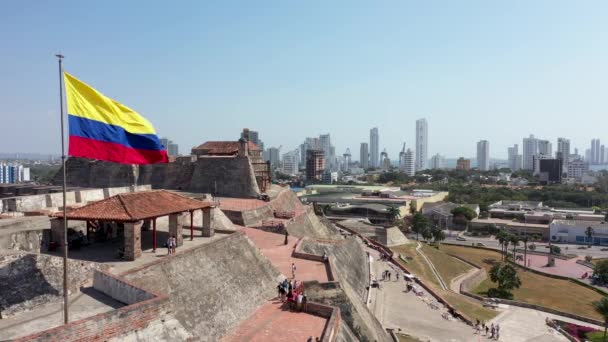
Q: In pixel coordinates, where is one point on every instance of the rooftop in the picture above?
(509, 222)
(135, 206)
(223, 147)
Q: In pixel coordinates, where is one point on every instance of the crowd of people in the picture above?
(491, 331)
(292, 293)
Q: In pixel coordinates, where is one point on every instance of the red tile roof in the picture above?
(224, 147)
(135, 206)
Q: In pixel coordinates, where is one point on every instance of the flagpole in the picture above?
(65, 220)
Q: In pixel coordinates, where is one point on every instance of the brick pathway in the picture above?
(273, 323)
(273, 247)
(240, 204)
(566, 268)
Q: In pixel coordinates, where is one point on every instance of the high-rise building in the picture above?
(530, 149)
(595, 152)
(374, 145)
(402, 158)
(437, 161)
(272, 155)
(346, 164)
(364, 156)
(309, 144)
(422, 144)
(315, 165)
(514, 158)
(13, 173)
(385, 161)
(549, 171)
(409, 163)
(545, 148)
(463, 164)
(602, 158)
(291, 161)
(483, 155)
(563, 152)
(173, 149)
(577, 168)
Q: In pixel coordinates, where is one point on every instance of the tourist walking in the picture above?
(497, 331)
(304, 302)
(173, 244)
(169, 245)
(286, 236)
(492, 330)
(293, 270)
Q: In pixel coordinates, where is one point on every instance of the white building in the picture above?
(346, 160)
(272, 155)
(422, 135)
(13, 173)
(563, 150)
(530, 149)
(374, 145)
(410, 167)
(291, 162)
(575, 231)
(483, 155)
(330, 177)
(594, 157)
(545, 148)
(514, 158)
(577, 168)
(437, 162)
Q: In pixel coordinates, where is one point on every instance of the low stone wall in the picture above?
(119, 289)
(473, 281)
(101, 327)
(55, 200)
(333, 319)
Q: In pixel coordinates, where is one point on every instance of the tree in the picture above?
(504, 238)
(419, 223)
(601, 307)
(505, 275)
(600, 271)
(525, 239)
(438, 235)
(514, 239)
(589, 233)
(393, 212)
(427, 233)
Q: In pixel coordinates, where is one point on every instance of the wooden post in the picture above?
(154, 235)
(191, 225)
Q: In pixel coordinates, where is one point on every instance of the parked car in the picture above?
(460, 238)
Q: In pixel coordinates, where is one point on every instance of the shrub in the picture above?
(555, 250)
(532, 247)
(588, 258)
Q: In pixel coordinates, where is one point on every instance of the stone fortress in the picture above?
(221, 284)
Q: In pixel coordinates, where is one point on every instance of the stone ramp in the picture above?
(214, 287)
(273, 247)
(274, 322)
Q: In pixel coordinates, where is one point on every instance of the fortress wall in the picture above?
(29, 280)
(308, 224)
(222, 176)
(361, 322)
(212, 288)
(349, 262)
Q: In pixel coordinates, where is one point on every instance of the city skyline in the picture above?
(533, 77)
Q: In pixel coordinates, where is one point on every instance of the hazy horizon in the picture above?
(205, 71)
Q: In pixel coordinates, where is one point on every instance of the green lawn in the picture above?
(449, 268)
(537, 289)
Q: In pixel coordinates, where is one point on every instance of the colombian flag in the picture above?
(101, 128)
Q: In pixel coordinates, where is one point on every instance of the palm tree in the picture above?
(589, 232)
(525, 239)
(601, 307)
(514, 239)
(393, 212)
(501, 240)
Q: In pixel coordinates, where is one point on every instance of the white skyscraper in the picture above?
(374, 145)
(530, 149)
(410, 167)
(563, 152)
(483, 155)
(545, 148)
(437, 162)
(291, 161)
(346, 160)
(422, 143)
(514, 158)
(595, 152)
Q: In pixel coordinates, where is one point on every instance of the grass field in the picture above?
(449, 268)
(537, 289)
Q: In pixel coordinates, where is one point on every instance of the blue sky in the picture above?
(203, 70)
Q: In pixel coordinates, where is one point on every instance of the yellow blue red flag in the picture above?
(101, 128)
